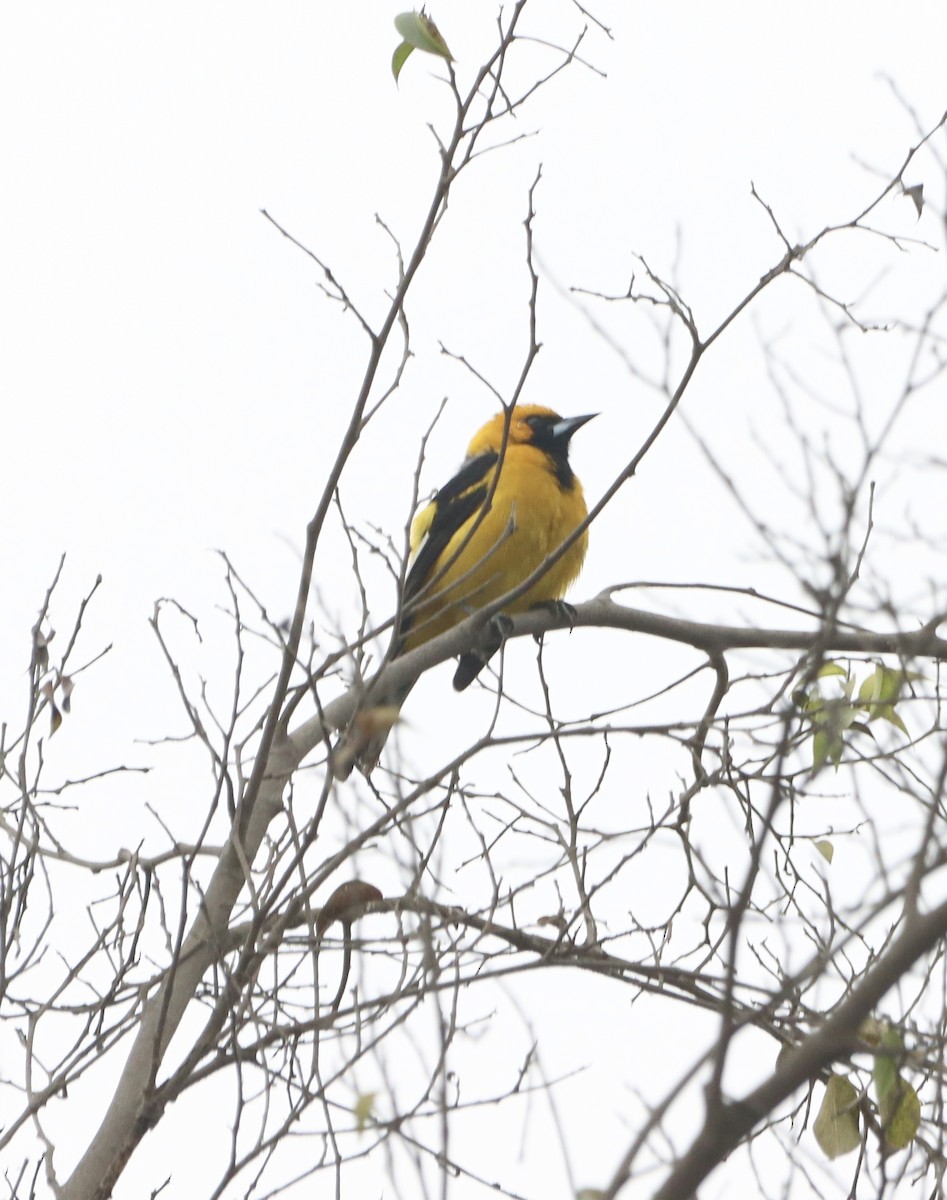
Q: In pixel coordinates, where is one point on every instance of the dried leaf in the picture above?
(346, 903)
(41, 647)
(871, 1031)
(916, 195)
(371, 725)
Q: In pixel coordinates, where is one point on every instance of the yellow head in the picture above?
(535, 433)
(530, 424)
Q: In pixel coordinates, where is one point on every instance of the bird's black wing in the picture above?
(454, 504)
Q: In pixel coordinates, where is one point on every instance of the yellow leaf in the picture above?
(364, 1109)
(900, 1113)
(836, 1124)
(826, 849)
(898, 1105)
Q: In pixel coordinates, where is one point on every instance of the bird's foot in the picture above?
(559, 608)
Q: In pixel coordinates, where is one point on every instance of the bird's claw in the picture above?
(558, 608)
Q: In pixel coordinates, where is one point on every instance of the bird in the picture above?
(512, 504)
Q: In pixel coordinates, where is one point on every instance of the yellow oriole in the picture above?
(512, 504)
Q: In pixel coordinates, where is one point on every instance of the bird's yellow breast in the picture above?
(531, 514)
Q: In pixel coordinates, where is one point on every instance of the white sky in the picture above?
(173, 382)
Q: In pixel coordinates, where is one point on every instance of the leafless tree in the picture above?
(323, 961)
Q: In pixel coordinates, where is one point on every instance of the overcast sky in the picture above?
(173, 381)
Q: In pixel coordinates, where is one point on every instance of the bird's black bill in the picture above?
(563, 430)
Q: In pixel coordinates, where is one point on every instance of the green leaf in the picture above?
(830, 720)
(836, 1124)
(833, 718)
(827, 745)
(399, 58)
(888, 714)
(885, 1069)
(826, 849)
(882, 690)
(418, 32)
(880, 687)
